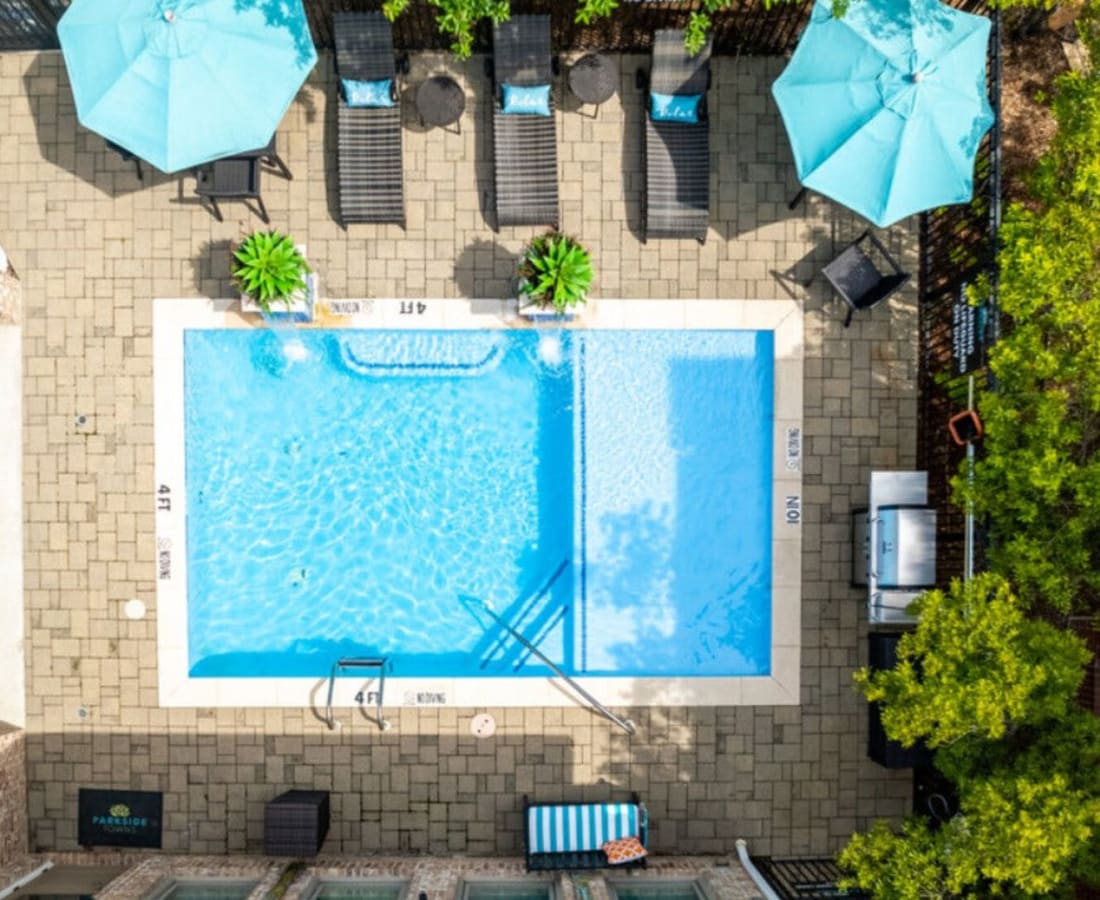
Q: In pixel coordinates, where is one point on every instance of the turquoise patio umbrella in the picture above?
(182, 82)
(885, 106)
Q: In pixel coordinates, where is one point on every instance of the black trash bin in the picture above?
(888, 753)
(296, 823)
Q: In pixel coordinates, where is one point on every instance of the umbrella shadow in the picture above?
(63, 141)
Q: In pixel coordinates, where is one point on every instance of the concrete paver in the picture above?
(93, 247)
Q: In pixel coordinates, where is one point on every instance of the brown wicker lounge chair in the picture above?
(368, 138)
(677, 154)
(525, 147)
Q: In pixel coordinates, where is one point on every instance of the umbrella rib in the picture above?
(848, 138)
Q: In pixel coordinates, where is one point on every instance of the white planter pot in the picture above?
(533, 312)
(300, 308)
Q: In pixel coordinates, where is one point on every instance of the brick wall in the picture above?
(13, 794)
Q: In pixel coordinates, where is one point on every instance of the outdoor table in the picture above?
(440, 101)
(593, 79)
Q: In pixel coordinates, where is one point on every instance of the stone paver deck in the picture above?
(93, 246)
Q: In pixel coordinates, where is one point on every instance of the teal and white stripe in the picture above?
(579, 827)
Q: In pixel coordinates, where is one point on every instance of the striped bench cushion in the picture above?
(579, 827)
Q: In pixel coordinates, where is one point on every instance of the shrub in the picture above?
(1038, 478)
(555, 271)
(976, 665)
(458, 18)
(269, 269)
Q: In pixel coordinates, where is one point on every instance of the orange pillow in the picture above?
(623, 850)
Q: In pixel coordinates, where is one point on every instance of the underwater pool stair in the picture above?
(358, 662)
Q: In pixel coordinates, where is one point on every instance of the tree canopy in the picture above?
(976, 665)
(994, 691)
(1038, 480)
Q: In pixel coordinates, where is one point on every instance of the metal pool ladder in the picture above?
(358, 662)
(625, 724)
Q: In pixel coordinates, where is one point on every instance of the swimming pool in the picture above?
(609, 493)
(369, 493)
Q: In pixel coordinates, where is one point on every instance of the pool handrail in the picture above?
(625, 724)
(358, 662)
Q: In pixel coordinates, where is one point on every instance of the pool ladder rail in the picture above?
(625, 724)
(358, 662)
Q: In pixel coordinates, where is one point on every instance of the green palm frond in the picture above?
(556, 271)
(268, 267)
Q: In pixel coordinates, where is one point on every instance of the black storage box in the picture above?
(888, 753)
(295, 823)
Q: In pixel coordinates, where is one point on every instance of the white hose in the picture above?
(753, 872)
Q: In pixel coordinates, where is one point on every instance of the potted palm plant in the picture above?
(555, 273)
(270, 271)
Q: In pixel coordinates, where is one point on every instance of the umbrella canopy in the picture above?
(885, 106)
(182, 82)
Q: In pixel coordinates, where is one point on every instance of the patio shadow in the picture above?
(210, 270)
(481, 110)
(485, 269)
(633, 155)
(325, 73)
(63, 141)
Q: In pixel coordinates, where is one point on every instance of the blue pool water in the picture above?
(401, 493)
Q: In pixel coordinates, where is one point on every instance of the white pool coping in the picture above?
(781, 687)
(13, 699)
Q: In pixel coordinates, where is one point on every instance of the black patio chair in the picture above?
(525, 147)
(677, 154)
(864, 274)
(269, 156)
(368, 141)
(127, 156)
(233, 178)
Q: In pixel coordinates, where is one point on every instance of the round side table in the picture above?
(593, 79)
(440, 101)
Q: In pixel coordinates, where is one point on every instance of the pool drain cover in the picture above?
(134, 609)
(483, 725)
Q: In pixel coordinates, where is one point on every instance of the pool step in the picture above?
(420, 353)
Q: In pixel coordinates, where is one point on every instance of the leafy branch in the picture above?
(457, 18)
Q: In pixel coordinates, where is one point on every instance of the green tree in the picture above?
(903, 865)
(975, 665)
(698, 24)
(457, 18)
(1028, 822)
(994, 691)
(701, 20)
(1038, 480)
